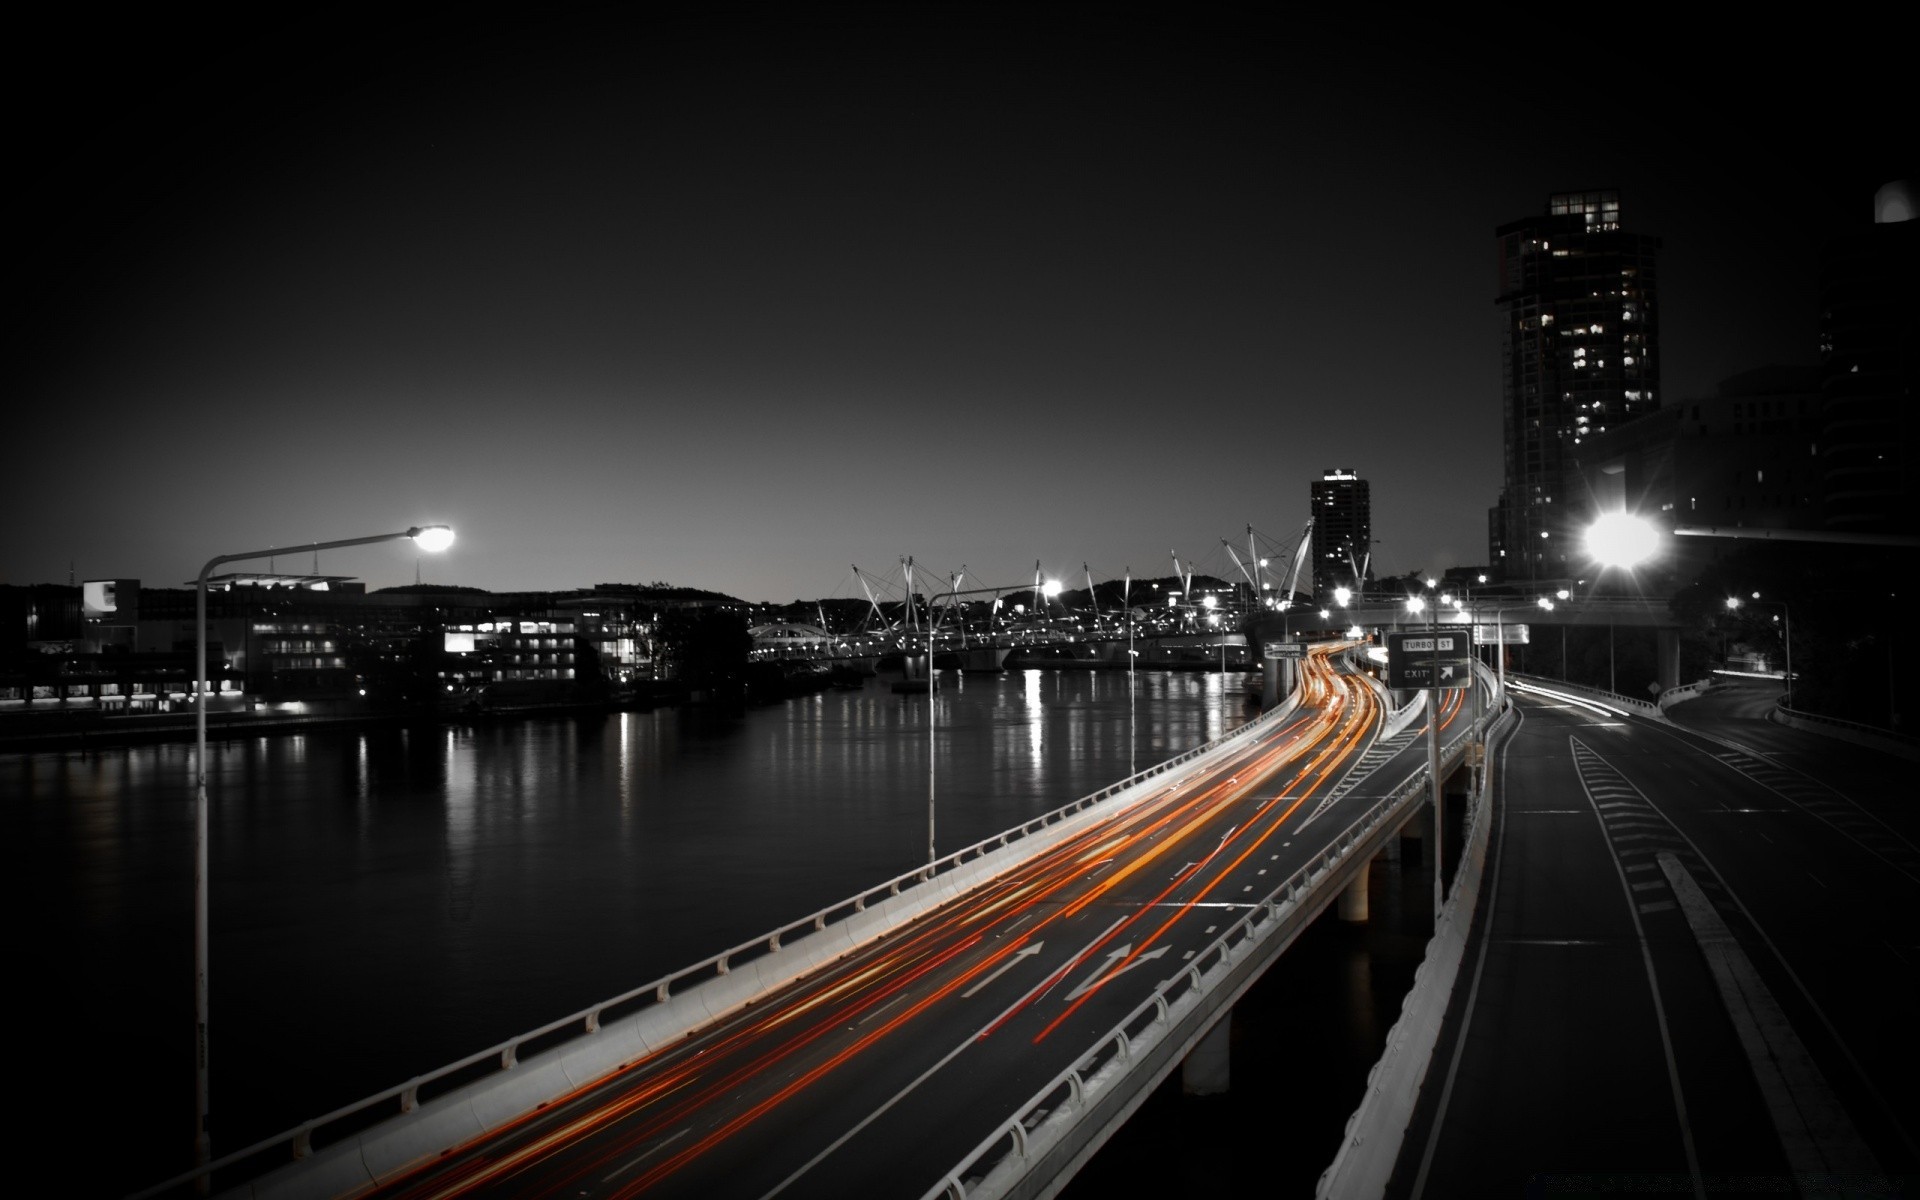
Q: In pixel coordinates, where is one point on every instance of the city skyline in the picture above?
(735, 303)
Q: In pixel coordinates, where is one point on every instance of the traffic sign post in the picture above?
(1436, 660)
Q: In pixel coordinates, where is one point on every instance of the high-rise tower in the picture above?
(1579, 352)
(1342, 531)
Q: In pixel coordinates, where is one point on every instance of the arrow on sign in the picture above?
(1010, 964)
(1108, 971)
(1446, 671)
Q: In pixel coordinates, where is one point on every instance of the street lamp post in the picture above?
(427, 537)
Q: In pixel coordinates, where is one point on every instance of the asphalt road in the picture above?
(1692, 970)
(873, 1077)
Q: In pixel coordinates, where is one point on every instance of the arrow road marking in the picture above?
(1009, 965)
(1108, 971)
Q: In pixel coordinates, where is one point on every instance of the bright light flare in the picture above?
(432, 537)
(1622, 540)
(1052, 588)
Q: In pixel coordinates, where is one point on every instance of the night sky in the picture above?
(735, 300)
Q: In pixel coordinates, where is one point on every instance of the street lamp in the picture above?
(1620, 539)
(427, 537)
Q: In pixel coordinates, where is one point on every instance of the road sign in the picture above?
(1286, 649)
(1491, 634)
(1447, 673)
(1435, 659)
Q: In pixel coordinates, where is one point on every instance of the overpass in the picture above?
(978, 1027)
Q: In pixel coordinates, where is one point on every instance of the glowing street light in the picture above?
(427, 537)
(1341, 595)
(1621, 539)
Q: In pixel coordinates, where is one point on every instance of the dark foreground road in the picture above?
(1692, 970)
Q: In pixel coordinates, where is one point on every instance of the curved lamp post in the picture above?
(427, 537)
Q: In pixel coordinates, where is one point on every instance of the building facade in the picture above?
(1869, 358)
(1579, 354)
(1747, 458)
(1342, 509)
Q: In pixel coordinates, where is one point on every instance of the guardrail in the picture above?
(1851, 731)
(993, 1166)
(1686, 691)
(361, 1115)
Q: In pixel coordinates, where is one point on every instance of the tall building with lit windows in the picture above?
(1342, 531)
(1579, 353)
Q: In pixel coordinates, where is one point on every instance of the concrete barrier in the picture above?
(1685, 692)
(1364, 1163)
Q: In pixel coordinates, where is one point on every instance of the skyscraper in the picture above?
(1579, 353)
(1342, 531)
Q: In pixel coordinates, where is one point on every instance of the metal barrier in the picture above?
(406, 1097)
(1005, 1156)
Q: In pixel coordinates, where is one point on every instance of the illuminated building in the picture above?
(1342, 531)
(1579, 354)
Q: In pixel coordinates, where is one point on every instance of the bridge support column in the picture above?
(1666, 658)
(1206, 1071)
(985, 658)
(1419, 831)
(1278, 678)
(1353, 900)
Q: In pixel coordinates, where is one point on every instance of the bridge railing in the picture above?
(1005, 1155)
(299, 1142)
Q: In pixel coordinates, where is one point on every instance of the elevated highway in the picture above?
(978, 1028)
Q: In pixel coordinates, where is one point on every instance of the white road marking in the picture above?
(647, 1153)
(1010, 964)
(1819, 1138)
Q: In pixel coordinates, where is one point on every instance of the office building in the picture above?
(1580, 353)
(1342, 531)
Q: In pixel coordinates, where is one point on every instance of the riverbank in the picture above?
(55, 729)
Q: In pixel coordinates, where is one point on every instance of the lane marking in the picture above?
(1579, 751)
(1819, 1138)
(1010, 964)
(648, 1153)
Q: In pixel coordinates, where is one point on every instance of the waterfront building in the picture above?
(1579, 354)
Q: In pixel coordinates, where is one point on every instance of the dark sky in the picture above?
(735, 300)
